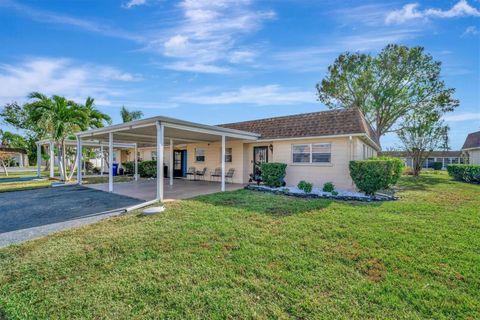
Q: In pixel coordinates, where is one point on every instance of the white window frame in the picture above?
(310, 147)
(227, 153)
(196, 155)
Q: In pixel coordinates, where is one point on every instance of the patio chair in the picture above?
(192, 171)
(216, 174)
(202, 173)
(230, 174)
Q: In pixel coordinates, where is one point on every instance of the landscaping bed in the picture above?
(318, 193)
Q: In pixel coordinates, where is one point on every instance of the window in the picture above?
(154, 155)
(228, 154)
(199, 155)
(311, 153)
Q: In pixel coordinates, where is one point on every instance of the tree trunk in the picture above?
(75, 165)
(4, 166)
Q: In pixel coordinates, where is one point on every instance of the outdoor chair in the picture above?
(230, 174)
(216, 174)
(192, 171)
(202, 173)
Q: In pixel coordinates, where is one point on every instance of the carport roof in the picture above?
(144, 131)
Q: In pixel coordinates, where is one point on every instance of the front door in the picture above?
(178, 161)
(260, 155)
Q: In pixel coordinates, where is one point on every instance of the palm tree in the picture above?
(94, 118)
(60, 118)
(128, 116)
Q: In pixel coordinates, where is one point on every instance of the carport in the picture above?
(160, 132)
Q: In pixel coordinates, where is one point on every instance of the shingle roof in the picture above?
(8, 149)
(314, 124)
(472, 141)
(433, 154)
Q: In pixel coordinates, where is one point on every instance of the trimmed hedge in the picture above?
(273, 173)
(147, 169)
(464, 172)
(375, 174)
(437, 166)
(129, 167)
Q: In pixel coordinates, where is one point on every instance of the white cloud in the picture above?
(272, 94)
(87, 25)
(471, 30)
(60, 76)
(133, 3)
(468, 116)
(208, 36)
(410, 12)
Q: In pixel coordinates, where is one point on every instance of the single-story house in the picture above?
(471, 147)
(317, 147)
(445, 157)
(19, 156)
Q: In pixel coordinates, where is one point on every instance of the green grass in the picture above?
(247, 254)
(104, 179)
(24, 185)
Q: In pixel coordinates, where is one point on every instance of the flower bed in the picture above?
(318, 193)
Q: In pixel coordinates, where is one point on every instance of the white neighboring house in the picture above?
(445, 157)
(471, 147)
(19, 156)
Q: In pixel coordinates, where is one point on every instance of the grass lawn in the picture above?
(24, 185)
(246, 254)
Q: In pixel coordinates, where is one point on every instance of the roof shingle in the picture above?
(472, 141)
(314, 124)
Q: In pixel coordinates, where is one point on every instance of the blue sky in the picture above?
(224, 61)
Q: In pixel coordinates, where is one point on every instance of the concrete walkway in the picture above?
(30, 214)
(146, 189)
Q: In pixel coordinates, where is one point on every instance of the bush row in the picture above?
(464, 172)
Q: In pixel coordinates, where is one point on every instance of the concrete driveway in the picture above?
(32, 213)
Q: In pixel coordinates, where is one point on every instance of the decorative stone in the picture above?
(153, 210)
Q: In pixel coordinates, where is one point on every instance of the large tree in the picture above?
(388, 87)
(128, 116)
(420, 134)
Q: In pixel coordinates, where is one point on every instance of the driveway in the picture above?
(32, 213)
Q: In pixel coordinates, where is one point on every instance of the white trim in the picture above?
(310, 147)
(52, 159)
(170, 165)
(39, 159)
(79, 161)
(469, 149)
(223, 163)
(160, 142)
(214, 131)
(110, 160)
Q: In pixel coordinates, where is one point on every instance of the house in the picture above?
(18, 155)
(471, 147)
(316, 146)
(445, 157)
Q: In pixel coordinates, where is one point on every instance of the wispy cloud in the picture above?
(206, 39)
(467, 116)
(411, 11)
(133, 3)
(52, 17)
(61, 76)
(271, 94)
(470, 31)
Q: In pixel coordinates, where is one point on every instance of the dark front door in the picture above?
(178, 160)
(260, 155)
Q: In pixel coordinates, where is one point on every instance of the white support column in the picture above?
(160, 142)
(52, 160)
(102, 160)
(170, 166)
(136, 162)
(79, 160)
(39, 159)
(223, 163)
(110, 161)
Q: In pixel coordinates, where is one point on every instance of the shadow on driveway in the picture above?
(39, 207)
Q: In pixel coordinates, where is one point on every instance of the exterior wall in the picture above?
(342, 151)
(474, 156)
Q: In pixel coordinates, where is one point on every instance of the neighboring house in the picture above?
(317, 147)
(19, 156)
(471, 147)
(445, 157)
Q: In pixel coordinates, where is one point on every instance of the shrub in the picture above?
(334, 193)
(273, 173)
(129, 167)
(408, 171)
(398, 167)
(328, 187)
(437, 166)
(305, 186)
(464, 172)
(373, 175)
(147, 169)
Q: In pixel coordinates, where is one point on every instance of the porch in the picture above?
(146, 189)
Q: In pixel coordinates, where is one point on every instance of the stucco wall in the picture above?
(474, 156)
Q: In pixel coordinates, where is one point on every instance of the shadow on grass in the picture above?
(266, 203)
(423, 182)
